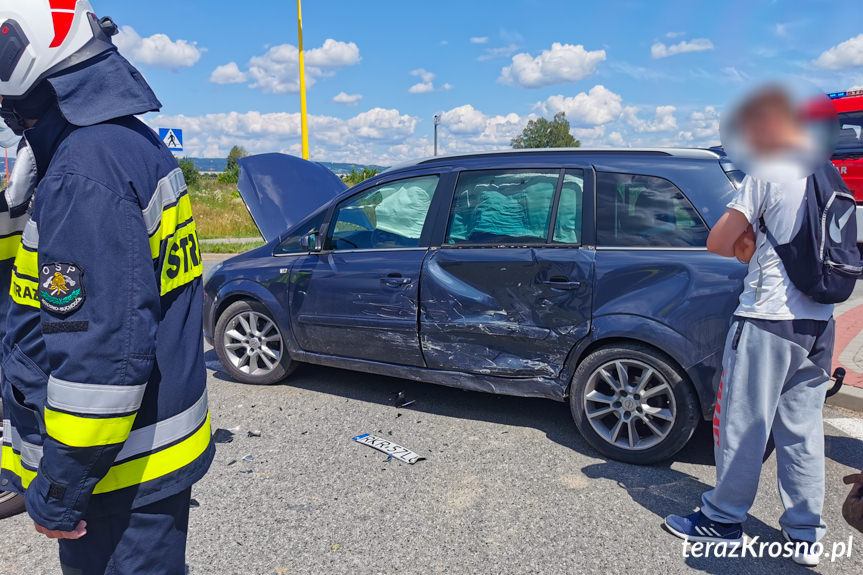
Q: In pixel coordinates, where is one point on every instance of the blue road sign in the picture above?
(172, 138)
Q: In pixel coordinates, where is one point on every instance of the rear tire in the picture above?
(633, 404)
(10, 503)
(250, 344)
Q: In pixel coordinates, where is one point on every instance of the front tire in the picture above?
(250, 344)
(633, 404)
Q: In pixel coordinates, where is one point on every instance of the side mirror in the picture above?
(310, 241)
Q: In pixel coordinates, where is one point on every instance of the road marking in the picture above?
(850, 426)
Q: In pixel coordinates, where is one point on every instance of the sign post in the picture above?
(173, 138)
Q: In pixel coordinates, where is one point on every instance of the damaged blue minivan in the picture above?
(573, 275)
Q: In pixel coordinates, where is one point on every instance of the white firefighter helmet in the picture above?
(39, 38)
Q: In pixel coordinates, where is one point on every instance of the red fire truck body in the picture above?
(848, 157)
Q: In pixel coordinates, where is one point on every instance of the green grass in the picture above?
(229, 248)
(220, 212)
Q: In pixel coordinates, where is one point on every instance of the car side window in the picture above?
(496, 207)
(645, 211)
(293, 243)
(385, 217)
(570, 209)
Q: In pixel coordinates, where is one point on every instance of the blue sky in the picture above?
(625, 72)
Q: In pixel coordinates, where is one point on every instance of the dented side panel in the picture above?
(505, 312)
(361, 305)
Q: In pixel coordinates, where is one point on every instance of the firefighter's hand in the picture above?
(79, 531)
(852, 510)
(744, 247)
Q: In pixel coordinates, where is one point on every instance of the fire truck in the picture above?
(848, 157)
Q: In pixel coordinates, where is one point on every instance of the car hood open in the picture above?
(281, 190)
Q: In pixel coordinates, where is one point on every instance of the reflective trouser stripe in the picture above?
(94, 399)
(156, 464)
(11, 461)
(31, 454)
(77, 431)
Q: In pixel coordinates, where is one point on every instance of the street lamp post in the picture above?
(436, 124)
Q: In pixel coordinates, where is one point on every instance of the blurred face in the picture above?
(770, 125)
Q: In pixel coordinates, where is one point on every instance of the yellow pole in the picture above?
(303, 110)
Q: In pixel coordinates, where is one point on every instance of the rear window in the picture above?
(504, 207)
(645, 211)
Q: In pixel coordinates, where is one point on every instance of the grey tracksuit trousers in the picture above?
(775, 377)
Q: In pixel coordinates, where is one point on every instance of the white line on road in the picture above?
(848, 425)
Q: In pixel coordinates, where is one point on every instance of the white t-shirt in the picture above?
(767, 291)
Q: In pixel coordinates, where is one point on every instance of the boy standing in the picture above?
(778, 351)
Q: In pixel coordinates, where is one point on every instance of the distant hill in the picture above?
(219, 164)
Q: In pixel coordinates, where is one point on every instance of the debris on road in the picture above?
(388, 447)
(223, 436)
(254, 433)
(194, 503)
(402, 401)
(248, 458)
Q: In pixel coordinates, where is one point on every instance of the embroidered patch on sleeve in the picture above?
(61, 288)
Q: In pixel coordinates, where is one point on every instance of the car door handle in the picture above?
(396, 280)
(562, 283)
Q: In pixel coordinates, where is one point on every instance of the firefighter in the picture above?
(103, 379)
(14, 203)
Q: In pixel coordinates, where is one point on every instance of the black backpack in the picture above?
(822, 259)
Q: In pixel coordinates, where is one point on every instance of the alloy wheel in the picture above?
(253, 343)
(629, 404)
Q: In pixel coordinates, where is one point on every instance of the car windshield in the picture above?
(850, 133)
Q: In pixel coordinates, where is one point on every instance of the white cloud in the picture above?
(426, 84)
(230, 73)
(278, 70)
(364, 138)
(499, 52)
(663, 119)
(660, 50)
(157, 50)
(598, 106)
(675, 34)
(347, 99)
(479, 40)
(705, 123)
(734, 75)
(562, 64)
(848, 54)
(382, 124)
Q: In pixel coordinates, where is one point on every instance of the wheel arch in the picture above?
(239, 290)
(608, 331)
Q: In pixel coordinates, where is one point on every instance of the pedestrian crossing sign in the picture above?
(172, 138)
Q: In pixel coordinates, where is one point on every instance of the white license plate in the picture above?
(392, 449)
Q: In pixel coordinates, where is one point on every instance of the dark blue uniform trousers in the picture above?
(147, 540)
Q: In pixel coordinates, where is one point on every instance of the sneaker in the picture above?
(803, 551)
(697, 527)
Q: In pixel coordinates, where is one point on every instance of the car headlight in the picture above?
(213, 270)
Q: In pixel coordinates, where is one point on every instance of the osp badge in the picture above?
(61, 288)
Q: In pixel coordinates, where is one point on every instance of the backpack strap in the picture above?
(762, 226)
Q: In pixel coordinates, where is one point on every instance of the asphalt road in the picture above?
(508, 487)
